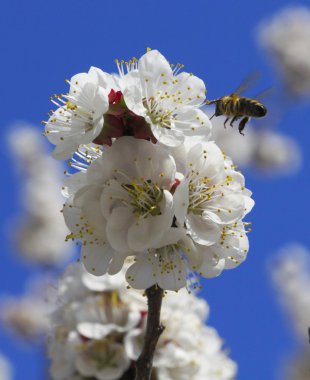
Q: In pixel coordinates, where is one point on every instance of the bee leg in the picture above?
(226, 122)
(242, 124)
(212, 116)
(233, 119)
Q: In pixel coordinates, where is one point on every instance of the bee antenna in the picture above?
(210, 102)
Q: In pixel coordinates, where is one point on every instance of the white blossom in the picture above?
(266, 152)
(239, 148)
(291, 274)
(168, 99)
(87, 324)
(26, 316)
(287, 38)
(40, 231)
(276, 153)
(76, 283)
(187, 349)
(175, 213)
(103, 360)
(63, 349)
(211, 201)
(6, 372)
(96, 321)
(79, 117)
(135, 200)
(122, 205)
(166, 264)
(148, 98)
(99, 334)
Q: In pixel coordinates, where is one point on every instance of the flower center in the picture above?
(144, 198)
(157, 114)
(71, 108)
(101, 355)
(165, 256)
(201, 191)
(125, 67)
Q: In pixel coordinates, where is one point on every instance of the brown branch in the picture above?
(129, 374)
(153, 331)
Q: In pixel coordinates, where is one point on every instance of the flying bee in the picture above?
(235, 106)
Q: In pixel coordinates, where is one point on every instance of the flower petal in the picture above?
(105, 80)
(96, 257)
(64, 151)
(181, 200)
(73, 183)
(192, 88)
(117, 262)
(141, 275)
(206, 159)
(155, 72)
(166, 136)
(134, 99)
(193, 122)
(173, 279)
(117, 228)
(203, 231)
(88, 199)
(226, 208)
(210, 265)
(145, 233)
(140, 159)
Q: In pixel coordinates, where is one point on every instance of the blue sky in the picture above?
(44, 42)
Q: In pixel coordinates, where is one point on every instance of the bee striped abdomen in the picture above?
(251, 107)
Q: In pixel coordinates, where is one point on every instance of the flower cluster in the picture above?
(291, 275)
(152, 185)
(40, 231)
(98, 330)
(26, 316)
(266, 151)
(148, 99)
(287, 38)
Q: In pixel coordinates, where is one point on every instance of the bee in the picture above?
(235, 106)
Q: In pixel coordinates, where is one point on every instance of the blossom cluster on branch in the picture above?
(39, 232)
(26, 316)
(286, 37)
(291, 276)
(262, 149)
(99, 325)
(150, 183)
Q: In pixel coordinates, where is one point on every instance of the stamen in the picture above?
(144, 198)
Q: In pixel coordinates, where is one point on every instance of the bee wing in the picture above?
(247, 82)
(263, 94)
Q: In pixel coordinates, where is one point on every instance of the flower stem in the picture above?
(153, 331)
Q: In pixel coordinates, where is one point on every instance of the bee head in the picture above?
(261, 110)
